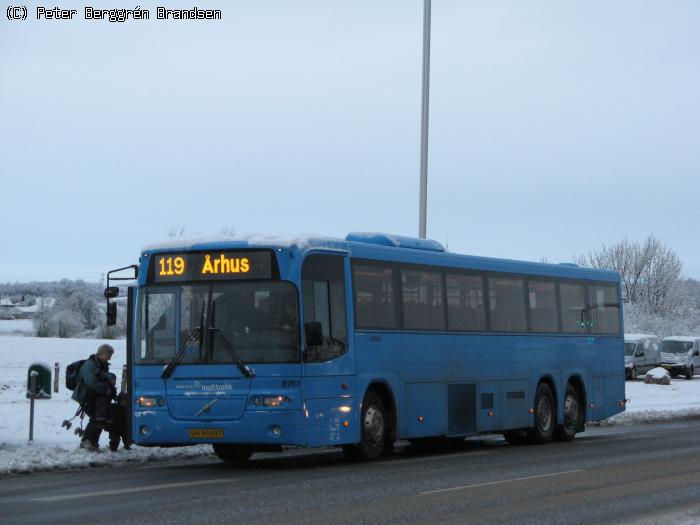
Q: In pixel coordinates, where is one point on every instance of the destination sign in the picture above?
(211, 266)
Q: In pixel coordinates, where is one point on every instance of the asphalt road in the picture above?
(640, 474)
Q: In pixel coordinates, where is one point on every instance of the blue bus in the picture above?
(260, 343)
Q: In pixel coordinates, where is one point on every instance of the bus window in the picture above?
(423, 306)
(507, 305)
(158, 333)
(323, 297)
(605, 309)
(193, 302)
(258, 319)
(465, 302)
(573, 308)
(542, 299)
(374, 296)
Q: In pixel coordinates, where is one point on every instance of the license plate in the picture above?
(206, 433)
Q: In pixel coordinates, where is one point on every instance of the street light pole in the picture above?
(423, 200)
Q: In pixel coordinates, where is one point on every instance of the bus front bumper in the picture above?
(273, 427)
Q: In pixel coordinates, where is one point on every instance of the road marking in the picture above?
(146, 488)
(399, 460)
(511, 480)
(592, 440)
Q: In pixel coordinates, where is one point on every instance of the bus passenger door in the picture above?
(328, 360)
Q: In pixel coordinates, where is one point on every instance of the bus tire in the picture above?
(689, 373)
(545, 415)
(233, 454)
(373, 430)
(572, 416)
(633, 373)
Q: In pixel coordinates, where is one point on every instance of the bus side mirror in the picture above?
(313, 331)
(696, 353)
(111, 314)
(111, 292)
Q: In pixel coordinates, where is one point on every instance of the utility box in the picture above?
(39, 382)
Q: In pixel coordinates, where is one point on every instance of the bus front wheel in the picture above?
(234, 454)
(373, 430)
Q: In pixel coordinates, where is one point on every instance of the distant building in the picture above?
(8, 310)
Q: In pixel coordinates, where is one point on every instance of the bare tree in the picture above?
(649, 273)
(177, 232)
(228, 231)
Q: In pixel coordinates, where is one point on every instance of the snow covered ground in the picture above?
(55, 447)
(649, 403)
(16, 327)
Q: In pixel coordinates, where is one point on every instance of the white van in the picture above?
(681, 355)
(642, 353)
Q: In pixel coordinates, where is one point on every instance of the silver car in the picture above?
(641, 354)
(681, 355)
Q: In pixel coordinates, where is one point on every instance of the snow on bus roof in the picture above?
(300, 241)
(684, 338)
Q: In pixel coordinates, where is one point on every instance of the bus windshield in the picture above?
(259, 319)
(629, 348)
(676, 347)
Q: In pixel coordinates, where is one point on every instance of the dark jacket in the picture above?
(93, 380)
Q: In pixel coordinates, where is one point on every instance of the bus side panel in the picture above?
(328, 423)
(489, 403)
(614, 388)
(515, 404)
(425, 409)
(501, 367)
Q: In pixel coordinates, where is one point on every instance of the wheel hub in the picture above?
(544, 414)
(374, 426)
(571, 411)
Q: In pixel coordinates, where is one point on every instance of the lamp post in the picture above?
(423, 199)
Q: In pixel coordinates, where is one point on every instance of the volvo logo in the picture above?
(206, 408)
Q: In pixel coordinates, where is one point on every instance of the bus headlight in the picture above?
(150, 402)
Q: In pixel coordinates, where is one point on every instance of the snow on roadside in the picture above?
(657, 403)
(55, 447)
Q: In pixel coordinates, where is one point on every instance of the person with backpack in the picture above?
(94, 392)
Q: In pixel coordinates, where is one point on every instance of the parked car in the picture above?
(681, 355)
(642, 353)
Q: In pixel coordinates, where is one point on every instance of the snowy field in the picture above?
(55, 447)
(16, 327)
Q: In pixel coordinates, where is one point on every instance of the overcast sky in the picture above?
(555, 127)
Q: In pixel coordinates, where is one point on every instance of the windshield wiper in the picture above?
(245, 370)
(168, 370)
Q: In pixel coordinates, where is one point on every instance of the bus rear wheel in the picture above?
(233, 454)
(572, 416)
(545, 415)
(373, 430)
(690, 372)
